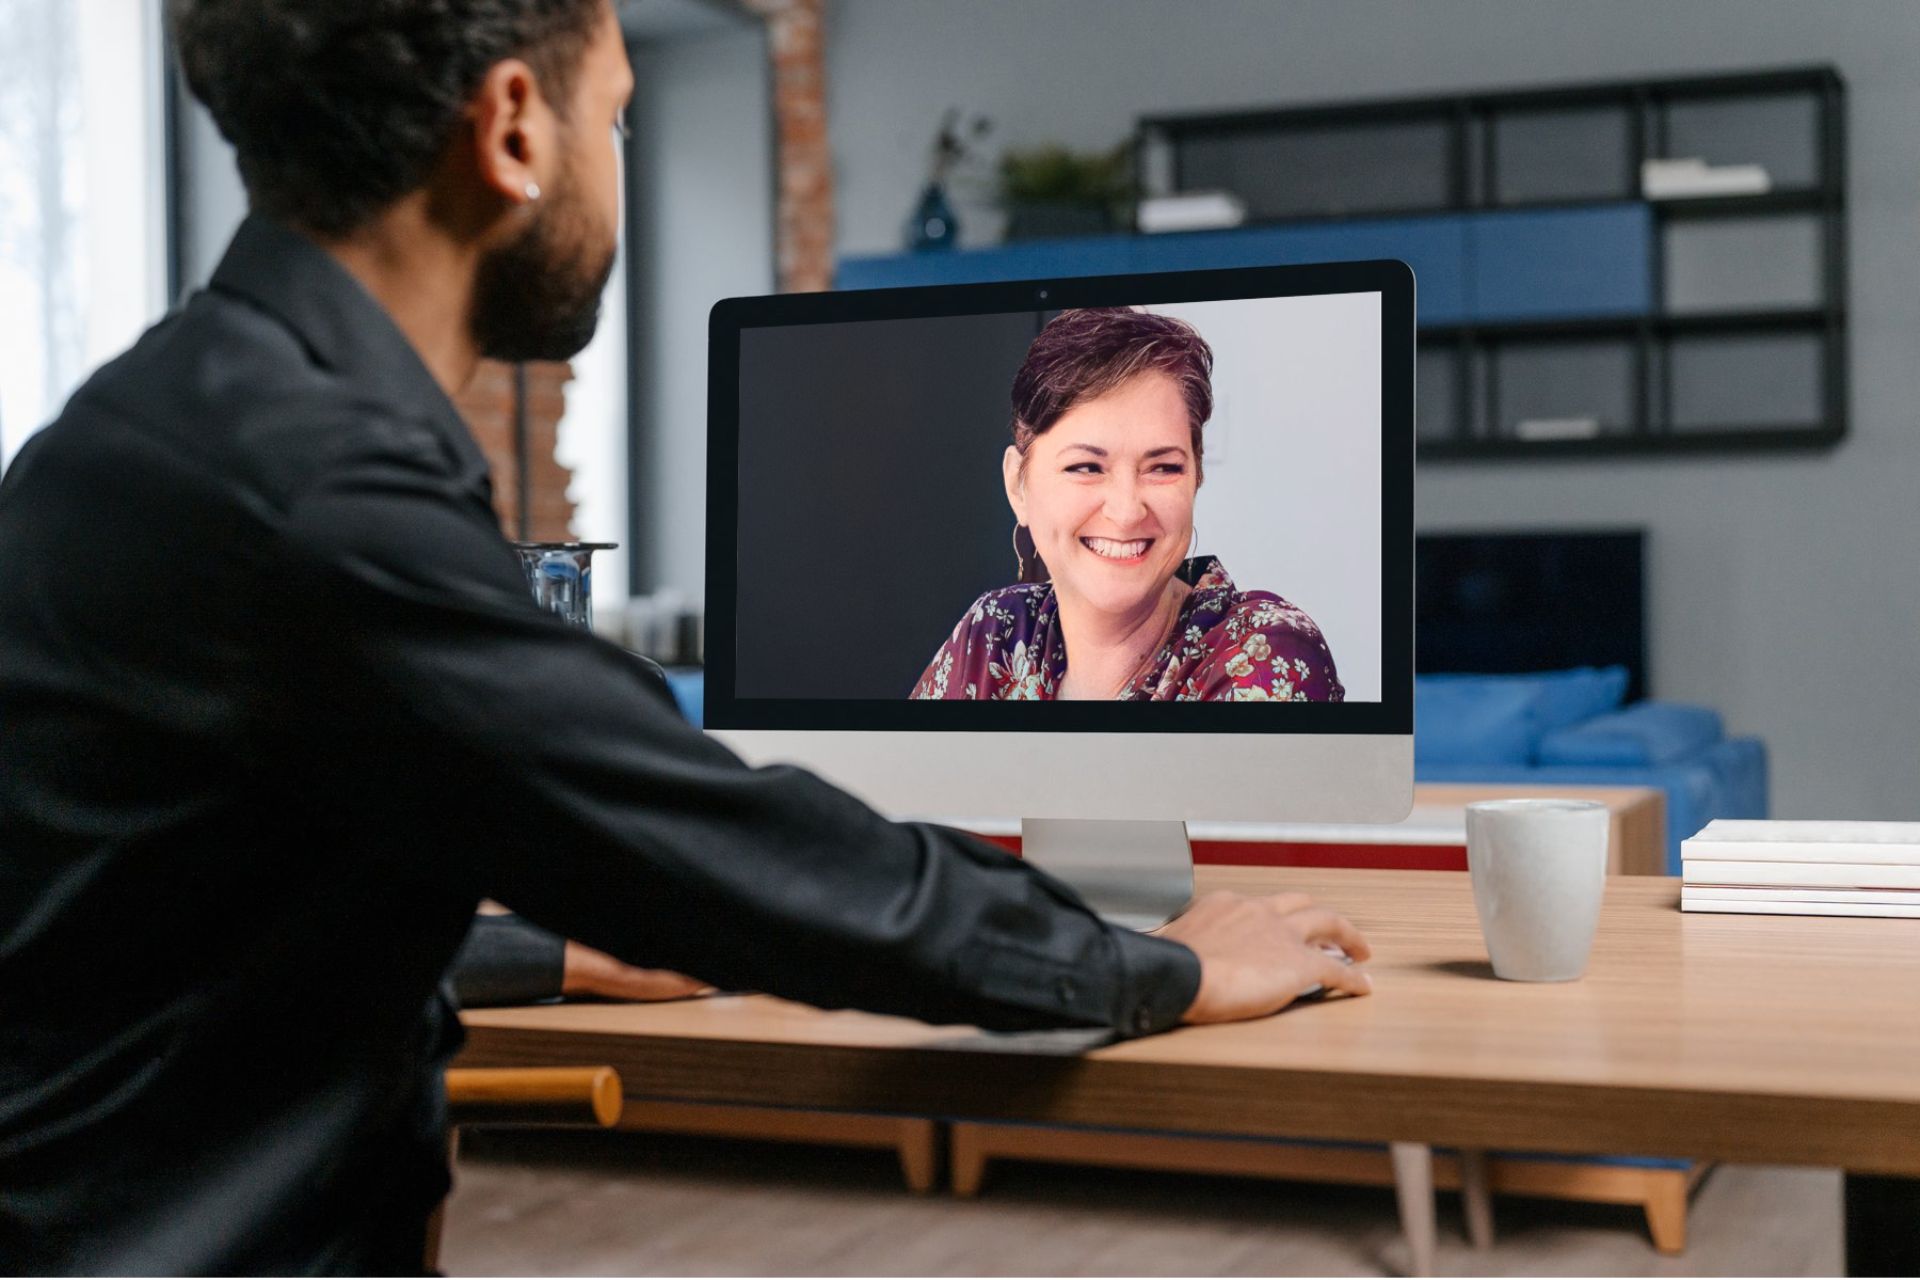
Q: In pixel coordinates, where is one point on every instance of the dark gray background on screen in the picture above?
(871, 509)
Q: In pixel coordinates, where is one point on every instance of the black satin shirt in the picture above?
(277, 711)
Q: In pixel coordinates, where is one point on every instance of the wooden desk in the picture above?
(1767, 1039)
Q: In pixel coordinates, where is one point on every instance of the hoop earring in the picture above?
(1193, 543)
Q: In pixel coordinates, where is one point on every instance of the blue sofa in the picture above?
(1571, 727)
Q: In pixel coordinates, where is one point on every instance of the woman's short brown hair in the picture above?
(1088, 352)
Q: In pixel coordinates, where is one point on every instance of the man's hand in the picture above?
(588, 972)
(1259, 954)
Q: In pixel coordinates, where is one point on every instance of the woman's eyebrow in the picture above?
(1098, 452)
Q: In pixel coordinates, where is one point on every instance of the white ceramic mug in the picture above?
(1539, 869)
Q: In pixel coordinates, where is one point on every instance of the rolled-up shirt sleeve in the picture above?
(553, 775)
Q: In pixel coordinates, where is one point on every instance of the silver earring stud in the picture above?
(533, 191)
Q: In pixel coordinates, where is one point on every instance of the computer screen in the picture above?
(1125, 503)
(1103, 554)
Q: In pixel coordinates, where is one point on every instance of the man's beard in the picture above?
(537, 297)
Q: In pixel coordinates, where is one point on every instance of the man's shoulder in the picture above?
(228, 390)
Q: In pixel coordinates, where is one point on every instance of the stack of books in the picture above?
(1803, 868)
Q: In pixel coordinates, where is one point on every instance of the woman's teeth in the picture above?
(1112, 550)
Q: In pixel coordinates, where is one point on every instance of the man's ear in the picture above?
(1016, 487)
(515, 143)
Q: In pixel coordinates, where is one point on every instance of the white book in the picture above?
(1732, 906)
(1822, 831)
(1824, 875)
(1781, 851)
(1749, 840)
(1734, 893)
(1556, 428)
(1190, 211)
(1692, 176)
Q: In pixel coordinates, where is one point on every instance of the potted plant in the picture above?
(1051, 191)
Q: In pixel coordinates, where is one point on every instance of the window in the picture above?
(82, 203)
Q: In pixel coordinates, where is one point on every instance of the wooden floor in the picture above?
(624, 1203)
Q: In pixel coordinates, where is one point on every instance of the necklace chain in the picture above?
(1146, 657)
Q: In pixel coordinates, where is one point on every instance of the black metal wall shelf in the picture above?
(1626, 326)
(1742, 344)
(1802, 438)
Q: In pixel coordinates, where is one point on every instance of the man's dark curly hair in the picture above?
(337, 108)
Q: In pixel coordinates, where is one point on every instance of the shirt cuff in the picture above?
(506, 960)
(1160, 980)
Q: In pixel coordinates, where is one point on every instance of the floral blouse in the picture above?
(1227, 646)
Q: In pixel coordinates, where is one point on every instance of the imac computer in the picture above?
(1103, 555)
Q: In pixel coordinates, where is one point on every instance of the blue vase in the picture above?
(933, 226)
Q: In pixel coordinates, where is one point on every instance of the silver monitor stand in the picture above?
(1137, 874)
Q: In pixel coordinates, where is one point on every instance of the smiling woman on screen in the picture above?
(1110, 605)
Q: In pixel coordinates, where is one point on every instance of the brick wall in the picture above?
(487, 406)
(796, 38)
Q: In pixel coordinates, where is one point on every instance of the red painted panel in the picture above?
(1389, 857)
(1255, 853)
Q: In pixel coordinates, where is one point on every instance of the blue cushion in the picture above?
(1499, 719)
(689, 685)
(1474, 720)
(1647, 733)
(1580, 693)
(1624, 1162)
(1727, 780)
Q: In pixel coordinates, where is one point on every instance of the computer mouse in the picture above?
(1317, 990)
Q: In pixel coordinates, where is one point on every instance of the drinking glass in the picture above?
(560, 575)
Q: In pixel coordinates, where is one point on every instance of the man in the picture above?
(270, 679)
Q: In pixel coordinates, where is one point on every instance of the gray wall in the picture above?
(701, 230)
(1785, 591)
(214, 203)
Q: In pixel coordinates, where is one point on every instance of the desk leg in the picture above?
(920, 1154)
(1883, 1225)
(1413, 1186)
(1476, 1197)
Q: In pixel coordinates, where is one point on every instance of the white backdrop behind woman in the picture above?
(1293, 460)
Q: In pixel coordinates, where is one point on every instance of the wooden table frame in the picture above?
(1763, 1039)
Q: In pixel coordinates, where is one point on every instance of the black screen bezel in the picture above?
(1393, 714)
